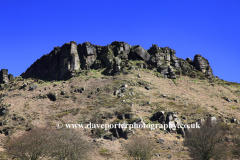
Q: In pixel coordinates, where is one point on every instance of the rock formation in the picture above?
(4, 77)
(66, 61)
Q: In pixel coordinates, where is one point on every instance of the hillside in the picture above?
(142, 91)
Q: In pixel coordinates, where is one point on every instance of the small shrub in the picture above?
(98, 132)
(140, 148)
(236, 143)
(67, 144)
(31, 145)
(206, 142)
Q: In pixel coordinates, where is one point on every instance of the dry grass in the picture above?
(192, 98)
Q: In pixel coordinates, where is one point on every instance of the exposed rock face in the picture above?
(61, 63)
(88, 55)
(66, 61)
(4, 77)
(139, 53)
(201, 64)
(10, 77)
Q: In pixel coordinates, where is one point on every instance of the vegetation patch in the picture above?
(105, 152)
(233, 107)
(60, 115)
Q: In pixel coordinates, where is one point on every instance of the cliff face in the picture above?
(66, 61)
(58, 64)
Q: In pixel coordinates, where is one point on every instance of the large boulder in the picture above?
(171, 72)
(165, 60)
(163, 70)
(53, 96)
(3, 110)
(116, 64)
(4, 76)
(33, 87)
(202, 64)
(121, 49)
(139, 53)
(175, 62)
(158, 114)
(157, 56)
(107, 57)
(138, 122)
(186, 68)
(212, 120)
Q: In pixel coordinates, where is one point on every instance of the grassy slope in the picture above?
(191, 98)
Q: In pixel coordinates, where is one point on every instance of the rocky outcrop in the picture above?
(5, 77)
(60, 63)
(66, 61)
(202, 64)
(88, 54)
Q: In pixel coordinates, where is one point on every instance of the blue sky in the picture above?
(30, 29)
